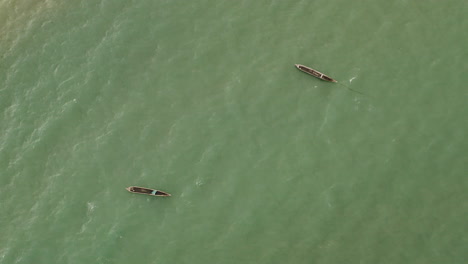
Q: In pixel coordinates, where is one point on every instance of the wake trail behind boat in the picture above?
(352, 89)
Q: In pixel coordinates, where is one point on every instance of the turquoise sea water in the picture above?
(265, 164)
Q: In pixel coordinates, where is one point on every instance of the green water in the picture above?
(265, 164)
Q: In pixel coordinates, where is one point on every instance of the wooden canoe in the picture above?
(147, 191)
(314, 73)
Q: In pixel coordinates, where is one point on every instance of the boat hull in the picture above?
(147, 191)
(314, 73)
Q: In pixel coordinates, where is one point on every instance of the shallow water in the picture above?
(265, 164)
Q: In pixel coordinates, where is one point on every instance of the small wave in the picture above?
(91, 206)
(199, 182)
(90, 209)
(3, 253)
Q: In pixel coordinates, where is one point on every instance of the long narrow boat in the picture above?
(314, 73)
(148, 191)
